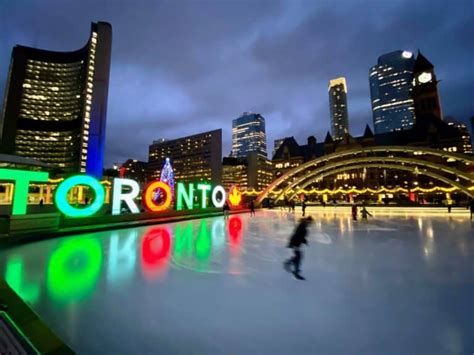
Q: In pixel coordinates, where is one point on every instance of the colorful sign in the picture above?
(157, 196)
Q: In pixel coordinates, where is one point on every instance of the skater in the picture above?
(365, 213)
(471, 207)
(298, 238)
(449, 204)
(226, 210)
(303, 207)
(41, 203)
(252, 208)
(354, 212)
(293, 205)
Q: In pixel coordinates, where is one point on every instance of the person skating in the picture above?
(365, 213)
(471, 207)
(252, 208)
(297, 239)
(354, 212)
(303, 207)
(226, 210)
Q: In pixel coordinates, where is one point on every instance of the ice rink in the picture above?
(398, 284)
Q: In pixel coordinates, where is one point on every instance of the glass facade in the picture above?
(248, 135)
(338, 108)
(391, 92)
(56, 104)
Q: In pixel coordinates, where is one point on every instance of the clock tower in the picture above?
(425, 89)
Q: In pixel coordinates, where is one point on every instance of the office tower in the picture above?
(56, 104)
(338, 107)
(391, 92)
(234, 172)
(194, 158)
(425, 89)
(248, 135)
(251, 173)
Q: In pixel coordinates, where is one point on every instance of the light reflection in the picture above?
(155, 252)
(73, 269)
(15, 277)
(122, 256)
(74, 265)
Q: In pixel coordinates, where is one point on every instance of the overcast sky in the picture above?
(183, 67)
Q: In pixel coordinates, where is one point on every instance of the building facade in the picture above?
(134, 169)
(248, 135)
(338, 107)
(251, 173)
(56, 104)
(425, 89)
(194, 158)
(234, 172)
(391, 92)
(464, 134)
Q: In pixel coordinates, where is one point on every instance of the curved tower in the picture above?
(56, 104)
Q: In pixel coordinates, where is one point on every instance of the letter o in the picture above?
(60, 196)
(147, 197)
(215, 202)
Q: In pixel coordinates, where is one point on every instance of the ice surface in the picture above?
(394, 285)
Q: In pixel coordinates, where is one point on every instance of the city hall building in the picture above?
(56, 104)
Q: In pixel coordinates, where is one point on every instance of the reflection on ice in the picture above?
(139, 281)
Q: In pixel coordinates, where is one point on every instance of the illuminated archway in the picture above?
(450, 168)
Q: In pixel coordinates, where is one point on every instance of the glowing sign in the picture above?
(148, 194)
(156, 197)
(215, 201)
(22, 179)
(182, 195)
(119, 196)
(235, 196)
(61, 200)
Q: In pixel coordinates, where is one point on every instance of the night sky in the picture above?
(183, 67)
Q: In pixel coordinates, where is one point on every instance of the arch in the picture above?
(389, 166)
(386, 156)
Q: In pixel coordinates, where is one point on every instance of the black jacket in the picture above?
(299, 236)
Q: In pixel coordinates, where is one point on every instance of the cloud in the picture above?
(180, 68)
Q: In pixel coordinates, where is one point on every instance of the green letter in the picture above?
(204, 188)
(181, 195)
(22, 179)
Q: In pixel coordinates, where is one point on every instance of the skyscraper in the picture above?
(248, 135)
(391, 92)
(338, 107)
(425, 89)
(56, 104)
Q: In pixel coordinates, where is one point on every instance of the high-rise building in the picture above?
(465, 136)
(253, 172)
(391, 92)
(194, 158)
(56, 104)
(248, 135)
(425, 89)
(234, 172)
(338, 107)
